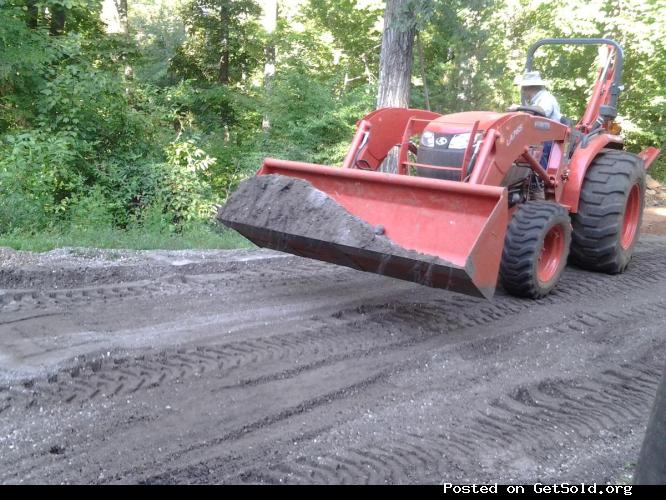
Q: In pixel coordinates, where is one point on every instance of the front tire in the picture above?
(536, 248)
(610, 212)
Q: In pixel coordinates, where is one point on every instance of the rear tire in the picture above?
(610, 212)
(535, 249)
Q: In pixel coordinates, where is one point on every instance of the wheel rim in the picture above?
(550, 257)
(632, 214)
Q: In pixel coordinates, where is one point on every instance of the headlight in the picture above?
(428, 139)
(460, 141)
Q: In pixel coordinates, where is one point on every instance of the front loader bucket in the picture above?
(440, 233)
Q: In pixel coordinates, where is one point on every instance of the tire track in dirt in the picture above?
(529, 417)
(580, 321)
(368, 331)
(70, 272)
(349, 338)
(317, 340)
(16, 300)
(306, 273)
(94, 328)
(29, 300)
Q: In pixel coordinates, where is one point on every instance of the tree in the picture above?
(224, 42)
(270, 18)
(225, 18)
(355, 37)
(32, 14)
(395, 65)
(123, 14)
(58, 16)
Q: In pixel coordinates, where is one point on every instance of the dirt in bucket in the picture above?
(293, 206)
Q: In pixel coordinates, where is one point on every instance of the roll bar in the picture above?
(616, 86)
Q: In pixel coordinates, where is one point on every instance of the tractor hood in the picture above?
(463, 122)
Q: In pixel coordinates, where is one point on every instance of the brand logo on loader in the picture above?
(441, 141)
(514, 134)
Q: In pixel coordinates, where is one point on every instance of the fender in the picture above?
(649, 155)
(581, 161)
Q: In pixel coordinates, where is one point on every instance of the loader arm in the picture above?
(378, 132)
(509, 140)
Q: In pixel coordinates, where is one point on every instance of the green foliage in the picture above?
(464, 56)
(24, 54)
(184, 189)
(159, 31)
(104, 135)
(308, 122)
(39, 173)
(215, 26)
(83, 145)
(343, 21)
(153, 234)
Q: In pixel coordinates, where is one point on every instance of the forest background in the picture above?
(123, 123)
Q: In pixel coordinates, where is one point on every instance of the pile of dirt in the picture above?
(293, 206)
(655, 193)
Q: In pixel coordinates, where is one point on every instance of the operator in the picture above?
(533, 93)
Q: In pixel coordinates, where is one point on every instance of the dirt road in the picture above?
(252, 366)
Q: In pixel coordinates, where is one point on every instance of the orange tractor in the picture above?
(471, 198)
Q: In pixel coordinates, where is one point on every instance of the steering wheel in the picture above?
(533, 110)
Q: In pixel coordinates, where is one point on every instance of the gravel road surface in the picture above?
(257, 367)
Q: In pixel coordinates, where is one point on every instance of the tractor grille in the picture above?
(441, 157)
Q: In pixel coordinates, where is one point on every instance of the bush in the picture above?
(40, 174)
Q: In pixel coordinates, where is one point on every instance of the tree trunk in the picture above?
(123, 15)
(270, 23)
(32, 14)
(58, 15)
(395, 63)
(225, 18)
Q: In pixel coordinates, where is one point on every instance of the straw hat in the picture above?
(531, 79)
